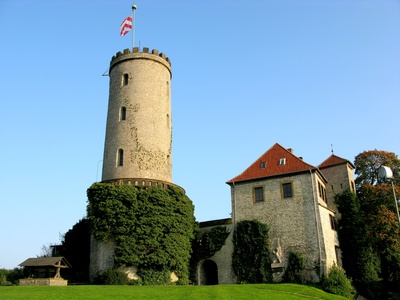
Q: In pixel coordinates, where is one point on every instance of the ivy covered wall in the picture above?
(152, 228)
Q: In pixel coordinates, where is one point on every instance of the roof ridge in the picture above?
(269, 164)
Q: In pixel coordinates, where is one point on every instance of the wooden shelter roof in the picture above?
(57, 261)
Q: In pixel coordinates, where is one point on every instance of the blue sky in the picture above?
(246, 74)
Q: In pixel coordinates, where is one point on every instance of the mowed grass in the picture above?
(223, 291)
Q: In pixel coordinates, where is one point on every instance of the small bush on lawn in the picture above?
(113, 277)
(294, 271)
(336, 282)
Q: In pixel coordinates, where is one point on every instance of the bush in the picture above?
(336, 282)
(155, 277)
(113, 277)
(294, 271)
(11, 277)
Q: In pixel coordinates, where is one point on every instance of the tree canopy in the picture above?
(368, 163)
(369, 230)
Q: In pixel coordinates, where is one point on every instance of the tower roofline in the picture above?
(154, 55)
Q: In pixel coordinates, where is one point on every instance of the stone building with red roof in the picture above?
(296, 201)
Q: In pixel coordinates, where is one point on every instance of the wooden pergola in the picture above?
(58, 262)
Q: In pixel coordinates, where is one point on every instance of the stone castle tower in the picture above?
(138, 141)
(138, 138)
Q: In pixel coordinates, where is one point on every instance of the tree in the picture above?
(76, 249)
(360, 261)
(368, 163)
(378, 208)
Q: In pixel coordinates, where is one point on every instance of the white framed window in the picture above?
(282, 161)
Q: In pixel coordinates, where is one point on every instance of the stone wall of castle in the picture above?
(223, 258)
(295, 223)
(139, 117)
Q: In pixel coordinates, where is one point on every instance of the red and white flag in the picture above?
(126, 26)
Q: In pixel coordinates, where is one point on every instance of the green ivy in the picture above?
(152, 227)
(209, 243)
(251, 261)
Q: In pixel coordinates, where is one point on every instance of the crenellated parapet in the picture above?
(127, 54)
(142, 182)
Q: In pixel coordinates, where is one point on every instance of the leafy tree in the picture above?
(368, 163)
(152, 227)
(360, 261)
(378, 208)
(76, 249)
(251, 261)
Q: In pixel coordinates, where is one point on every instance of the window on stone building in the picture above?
(120, 158)
(321, 191)
(125, 79)
(352, 186)
(333, 222)
(263, 165)
(282, 161)
(287, 190)
(258, 194)
(122, 114)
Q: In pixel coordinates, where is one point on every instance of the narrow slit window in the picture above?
(120, 158)
(122, 114)
(125, 79)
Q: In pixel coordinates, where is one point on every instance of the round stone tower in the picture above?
(138, 140)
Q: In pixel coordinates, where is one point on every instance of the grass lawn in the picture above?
(224, 291)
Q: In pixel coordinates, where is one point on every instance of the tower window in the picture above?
(263, 165)
(125, 79)
(120, 158)
(258, 194)
(287, 190)
(122, 114)
(282, 161)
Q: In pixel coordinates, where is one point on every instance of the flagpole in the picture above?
(133, 24)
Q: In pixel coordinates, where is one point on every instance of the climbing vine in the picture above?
(251, 261)
(152, 227)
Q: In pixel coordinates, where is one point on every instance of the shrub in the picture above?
(113, 277)
(155, 277)
(294, 271)
(336, 282)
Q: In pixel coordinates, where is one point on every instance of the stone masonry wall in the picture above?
(145, 135)
(294, 221)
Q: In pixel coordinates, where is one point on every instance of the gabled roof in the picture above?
(271, 158)
(334, 160)
(46, 262)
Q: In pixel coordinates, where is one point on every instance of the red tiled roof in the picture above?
(334, 160)
(271, 158)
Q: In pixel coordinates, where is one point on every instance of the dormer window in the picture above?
(263, 165)
(282, 161)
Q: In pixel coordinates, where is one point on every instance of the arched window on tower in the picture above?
(125, 79)
(120, 158)
(122, 114)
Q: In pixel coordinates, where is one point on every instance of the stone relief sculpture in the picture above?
(277, 252)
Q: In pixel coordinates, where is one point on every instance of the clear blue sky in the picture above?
(246, 74)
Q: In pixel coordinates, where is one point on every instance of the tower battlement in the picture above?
(136, 53)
